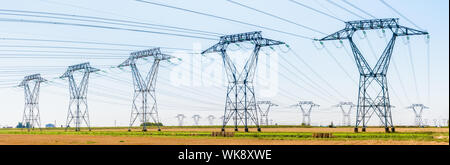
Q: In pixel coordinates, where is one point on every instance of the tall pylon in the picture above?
(180, 118)
(240, 101)
(306, 107)
(196, 119)
(144, 99)
(31, 115)
(373, 102)
(264, 108)
(346, 109)
(78, 106)
(211, 119)
(418, 109)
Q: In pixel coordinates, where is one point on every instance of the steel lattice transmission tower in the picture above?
(377, 102)
(264, 112)
(144, 99)
(418, 109)
(78, 106)
(31, 116)
(346, 109)
(211, 119)
(196, 119)
(240, 100)
(180, 118)
(306, 107)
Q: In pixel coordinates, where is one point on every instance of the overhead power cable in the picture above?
(102, 27)
(103, 20)
(227, 19)
(318, 11)
(393, 9)
(343, 8)
(278, 17)
(357, 8)
(87, 42)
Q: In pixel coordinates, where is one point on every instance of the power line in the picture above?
(102, 27)
(339, 64)
(103, 20)
(85, 42)
(223, 18)
(280, 18)
(335, 4)
(318, 75)
(318, 11)
(413, 70)
(357, 8)
(389, 6)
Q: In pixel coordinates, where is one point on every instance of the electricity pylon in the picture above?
(31, 116)
(445, 122)
(418, 109)
(78, 106)
(196, 119)
(180, 118)
(144, 98)
(306, 107)
(211, 119)
(436, 123)
(346, 109)
(240, 100)
(264, 112)
(378, 101)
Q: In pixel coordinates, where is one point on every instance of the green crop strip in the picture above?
(420, 136)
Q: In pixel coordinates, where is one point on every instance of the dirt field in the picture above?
(6, 139)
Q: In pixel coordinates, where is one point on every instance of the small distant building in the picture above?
(50, 125)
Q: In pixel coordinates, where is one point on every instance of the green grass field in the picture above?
(121, 131)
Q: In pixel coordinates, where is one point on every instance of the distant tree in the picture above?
(331, 125)
(152, 124)
(21, 125)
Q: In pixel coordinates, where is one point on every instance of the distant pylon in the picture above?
(240, 101)
(211, 119)
(346, 109)
(31, 115)
(196, 119)
(144, 98)
(418, 109)
(78, 106)
(424, 123)
(436, 123)
(264, 112)
(445, 122)
(180, 118)
(306, 107)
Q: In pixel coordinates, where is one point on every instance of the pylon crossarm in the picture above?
(155, 53)
(388, 23)
(254, 37)
(406, 31)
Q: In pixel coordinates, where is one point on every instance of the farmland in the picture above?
(201, 135)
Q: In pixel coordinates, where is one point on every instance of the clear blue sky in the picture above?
(110, 99)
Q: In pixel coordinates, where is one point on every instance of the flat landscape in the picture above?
(202, 135)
